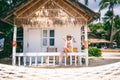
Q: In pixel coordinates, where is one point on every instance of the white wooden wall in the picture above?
(60, 32)
(65, 30)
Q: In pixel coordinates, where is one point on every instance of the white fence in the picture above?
(50, 58)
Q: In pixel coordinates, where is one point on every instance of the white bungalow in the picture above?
(44, 24)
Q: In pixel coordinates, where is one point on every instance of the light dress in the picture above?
(68, 42)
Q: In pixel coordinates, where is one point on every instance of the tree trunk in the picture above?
(112, 26)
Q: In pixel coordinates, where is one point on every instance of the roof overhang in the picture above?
(90, 15)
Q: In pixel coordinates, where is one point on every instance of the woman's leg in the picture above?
(65, 51)
(69, 49)
(68, 57)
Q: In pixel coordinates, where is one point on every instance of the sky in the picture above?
(95, 6)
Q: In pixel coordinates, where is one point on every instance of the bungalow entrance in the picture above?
(44, 24)
(33, 43)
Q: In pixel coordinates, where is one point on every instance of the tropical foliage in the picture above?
(108, 25)
(5, 30)
(98, 30)
(110, 16)
(7, 34)
(109, 28)
(95, 52)
(4, 6)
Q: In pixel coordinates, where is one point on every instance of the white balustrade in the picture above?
(40, 58)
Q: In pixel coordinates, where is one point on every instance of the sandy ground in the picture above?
(107, 58)
(105, 68)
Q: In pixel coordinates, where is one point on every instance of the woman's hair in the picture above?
(69, 36)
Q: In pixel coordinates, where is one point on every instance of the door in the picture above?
(34, 40)
(33, 43)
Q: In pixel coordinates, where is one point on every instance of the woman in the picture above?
(68, 46)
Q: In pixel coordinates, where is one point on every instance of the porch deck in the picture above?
(44, 58)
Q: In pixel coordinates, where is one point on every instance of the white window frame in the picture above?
(48, 38)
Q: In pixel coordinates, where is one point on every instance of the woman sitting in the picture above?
(68, 46)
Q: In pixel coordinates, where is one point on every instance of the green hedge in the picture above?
(94, 52)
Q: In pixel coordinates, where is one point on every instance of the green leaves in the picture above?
(103, 5)
(5, 28)
(110, 4)
(3, 6)
(111, 21)
(97, 29)
(117, 21)
(94, 52)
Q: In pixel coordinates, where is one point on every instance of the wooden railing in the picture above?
(36, 59)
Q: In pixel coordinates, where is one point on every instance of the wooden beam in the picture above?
(19, 13)
(63, 9)
(6, 22)
(22, 6)
(39, 7)
(81, 13)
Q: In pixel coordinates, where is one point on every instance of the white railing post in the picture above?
(14, 46)
(75, 61)
(70, 59)
(36, 60)
(65, 60)
(24, 60)
(30, 63)
(59, 60)
(41, 60)
(19, 61)
(48, 60)
(54, 60)
(80, 60)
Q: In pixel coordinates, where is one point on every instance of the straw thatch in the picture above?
(98, 41)
(95, 39)
(72, 11)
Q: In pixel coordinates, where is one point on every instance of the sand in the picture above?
(105, 68)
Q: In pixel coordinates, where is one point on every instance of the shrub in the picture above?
(94, 52)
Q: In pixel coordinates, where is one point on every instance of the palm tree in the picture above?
(110, 4)
(87, 1)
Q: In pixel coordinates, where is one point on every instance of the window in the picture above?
(48, 37)
(45, 36)
(20, 39)
(51, 39)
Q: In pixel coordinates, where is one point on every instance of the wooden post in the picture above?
(14, 45)
(86, 44)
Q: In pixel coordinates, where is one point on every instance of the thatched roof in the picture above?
(8, 16)
(86, 10)
(94, 39)
(99, 41)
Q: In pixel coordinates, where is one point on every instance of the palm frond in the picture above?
(104, 5)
